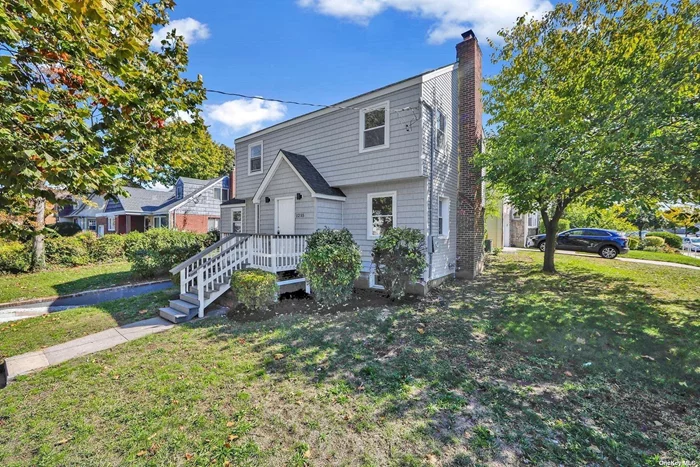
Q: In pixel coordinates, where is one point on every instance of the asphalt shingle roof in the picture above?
(312, 176)
(142, 200)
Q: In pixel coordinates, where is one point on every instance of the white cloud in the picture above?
(452, 17)
(189, 28)
(245, 114)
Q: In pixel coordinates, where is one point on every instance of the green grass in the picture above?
(64, 281)
(599, 365)
(667, 257)
(27, 335)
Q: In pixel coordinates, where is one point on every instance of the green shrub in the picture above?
(254, 288)
(331, 264)
(66, 229)
(653, 242)
(671, 239)
(67, 251)
(156, 251)
(108, 248)
(634, 243)
(399, 259)
(14, 257)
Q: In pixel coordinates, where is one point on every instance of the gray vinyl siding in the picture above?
(331, 142)
(226, 217)
(286, 183)
(206, 205)
(329, 213)
(441, 94)
(410, 206)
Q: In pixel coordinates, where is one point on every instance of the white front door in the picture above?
(284, 216)
(100, 230)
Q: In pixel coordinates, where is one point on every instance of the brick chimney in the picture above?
(470, 209)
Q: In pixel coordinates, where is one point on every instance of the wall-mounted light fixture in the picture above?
(298, 196)
(267, 199)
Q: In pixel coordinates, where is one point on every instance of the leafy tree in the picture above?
(197, 155)
(82, 97)
(581, 215)
(683, 216)
(597, 99)
(644, 216)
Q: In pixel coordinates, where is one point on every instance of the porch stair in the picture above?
(207, 275)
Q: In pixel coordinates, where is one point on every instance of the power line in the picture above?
(308, 104)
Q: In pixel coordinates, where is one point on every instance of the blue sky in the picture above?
(323, 51)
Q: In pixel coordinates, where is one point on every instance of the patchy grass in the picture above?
(27, 335)
(599, 365)
(64, 281)
(667, 257)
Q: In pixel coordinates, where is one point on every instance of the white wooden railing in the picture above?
(276, 253)
(209, 271)
(188, 268)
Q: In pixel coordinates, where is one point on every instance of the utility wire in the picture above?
(308, 104)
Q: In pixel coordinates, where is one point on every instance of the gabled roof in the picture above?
(86, 210)
(142, 200)
(174, 203)
(307, 173)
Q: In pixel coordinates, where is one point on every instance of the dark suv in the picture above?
(607, 243)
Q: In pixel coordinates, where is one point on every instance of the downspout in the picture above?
(430, 190)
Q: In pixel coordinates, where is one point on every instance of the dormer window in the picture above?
(374, 127)
(178, 190)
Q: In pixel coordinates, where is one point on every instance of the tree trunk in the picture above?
(551, 227)
(38, 252)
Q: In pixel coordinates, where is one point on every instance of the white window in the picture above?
(160, 222)
(444, 217)
(92, 224)
(111, 223)
(441, 127)
(381, 213)
(237, 220)
(213, 223)
(255, 158)
(374, 127)
(217, 194)
(532, 221)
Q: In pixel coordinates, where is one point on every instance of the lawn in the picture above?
(64, 281)
(27, 335)
(599, 365)
(668, 257)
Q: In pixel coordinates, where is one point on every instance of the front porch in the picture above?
(207, 275)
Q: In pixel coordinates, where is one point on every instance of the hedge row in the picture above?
(152, 253)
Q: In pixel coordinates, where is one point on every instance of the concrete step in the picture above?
(174, 316)
(190, 297)
(193, 291)
(183, 306)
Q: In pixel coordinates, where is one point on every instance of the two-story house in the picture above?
(401, 155)
(396, 156)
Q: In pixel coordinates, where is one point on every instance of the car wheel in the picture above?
(608, 252)
(541, 246)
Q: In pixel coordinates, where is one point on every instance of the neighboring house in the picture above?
(517, 227)
(83, 213)
(390, 157)
(191, 205)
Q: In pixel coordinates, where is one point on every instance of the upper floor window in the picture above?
(532, 221)
(179, 190)
(381, 213)
(255, 157)
(221, 193)
(374, 127)
(440, 131)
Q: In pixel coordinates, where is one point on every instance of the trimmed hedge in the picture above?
(331, 264)
(634, 243)
(67, 251)
(653, 242)
(66, 229)
(108, 248)
(399, 257)
(254, 288)
(671, 239)
(14, 257)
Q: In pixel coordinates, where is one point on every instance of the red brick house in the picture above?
(191, 205)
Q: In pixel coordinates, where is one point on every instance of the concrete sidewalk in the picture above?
(32, 361)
